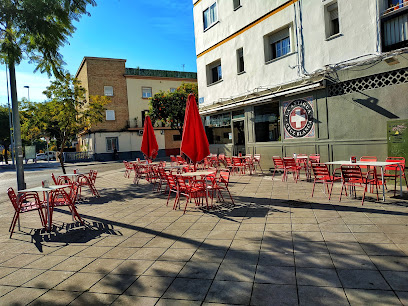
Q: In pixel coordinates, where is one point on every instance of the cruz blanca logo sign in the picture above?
(298, 118)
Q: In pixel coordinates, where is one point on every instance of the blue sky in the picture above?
(151, 34)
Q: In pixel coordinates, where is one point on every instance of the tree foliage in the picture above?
(36, 29)
(65, 114)
(4, 129)
(169, 107)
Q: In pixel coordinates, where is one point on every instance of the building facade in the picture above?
(302, 76)
(130, 90)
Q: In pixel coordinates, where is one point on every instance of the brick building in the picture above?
(130, 90)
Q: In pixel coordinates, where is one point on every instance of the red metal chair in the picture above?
(393, 172)
(238, 164)
(365, 169)
(173, 160)
(322, 175)
(351, 176)
(89, 180)
(61, 198)
(128, 168)
(257, 161)
(191, 189)
(26, 202)
(277, 165)
(290, 166)
(218, 184)
(180, 160)
(228, 164)
(141, 171)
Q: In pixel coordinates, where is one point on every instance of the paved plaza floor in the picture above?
(276, 246)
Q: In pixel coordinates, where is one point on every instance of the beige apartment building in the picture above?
(130, 90)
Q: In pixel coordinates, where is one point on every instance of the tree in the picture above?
(35, 30)
(169, 107)
(65, 114)
(4, 130)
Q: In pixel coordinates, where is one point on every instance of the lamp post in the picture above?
(28, 91)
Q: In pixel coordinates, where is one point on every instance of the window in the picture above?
(332, 20)
(277, 44)
(108, 90)
(237, 4)
(214, 72)
(240, 60)
(112, 143)
(173, 89)
(210, 16)
(110, 115)
(144, 114)
(218, 128)
(267, 122)
(176, 137)
(393, 3)
(146, 92)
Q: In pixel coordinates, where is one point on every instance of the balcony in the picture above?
(394, 25)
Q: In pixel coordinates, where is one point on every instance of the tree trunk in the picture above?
(61, 157)
(5, 155)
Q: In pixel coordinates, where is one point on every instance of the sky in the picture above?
(150, 34)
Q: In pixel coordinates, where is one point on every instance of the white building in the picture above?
(259, 61)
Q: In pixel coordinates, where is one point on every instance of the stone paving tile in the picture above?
(371, 297)
(310, 295)
(236, 272)
(275, 275)
(188, 289)
(352, 261)
(317, 277)
(6, 289)
(270, 294)
(21, 296)
(362, 279)
(124, 300)
(80, 282)
(91, 298)
(73, 264)
(20, 277)
(318, 260)
(132, 267)
(397, 280)
(48, 279)
(113, 284)
(396, 263)
(197, 270)
(403, 296)
(164, 268)
(229, 292)
(56, 297)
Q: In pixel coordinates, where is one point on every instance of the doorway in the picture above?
(238, 128)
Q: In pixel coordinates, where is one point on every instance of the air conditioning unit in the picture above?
(140, 132)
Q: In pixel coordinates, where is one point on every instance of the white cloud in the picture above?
(37, 83)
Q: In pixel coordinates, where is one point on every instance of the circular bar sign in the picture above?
(298, 118)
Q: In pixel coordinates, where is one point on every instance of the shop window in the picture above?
(176, 137)
(210, 16)
(277, 44)
(332, 20)
(214, 72)
(112, 143)
(267, 122)
(146, 92)
(218, 128)
(240, 61)
(108, 91)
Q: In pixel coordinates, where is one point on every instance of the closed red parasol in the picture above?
(194, 142)
(149, 142)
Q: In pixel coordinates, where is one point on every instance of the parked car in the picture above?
(43, 156)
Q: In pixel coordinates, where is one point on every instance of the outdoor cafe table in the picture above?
(372, 164)
(178, 167)
(46, 190)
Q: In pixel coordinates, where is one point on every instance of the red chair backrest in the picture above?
(351, 174)
(289, 162)
(92, 175)
(171, 181)
(315, 157)
(320, 170)
(228, 160)
(277, 162)
(54, 179)
(367, 159)
(221, 156)
(236, 161)
(13, 198)
(224, 177)
(400, 160)
(173, 158)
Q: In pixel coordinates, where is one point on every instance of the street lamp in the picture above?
(28, 90)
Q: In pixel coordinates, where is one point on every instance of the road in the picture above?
(35, 174)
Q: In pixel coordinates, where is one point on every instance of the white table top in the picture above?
(198, 173)
(73, 174)
(362, 163)
(175, 167)
(40, 188)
